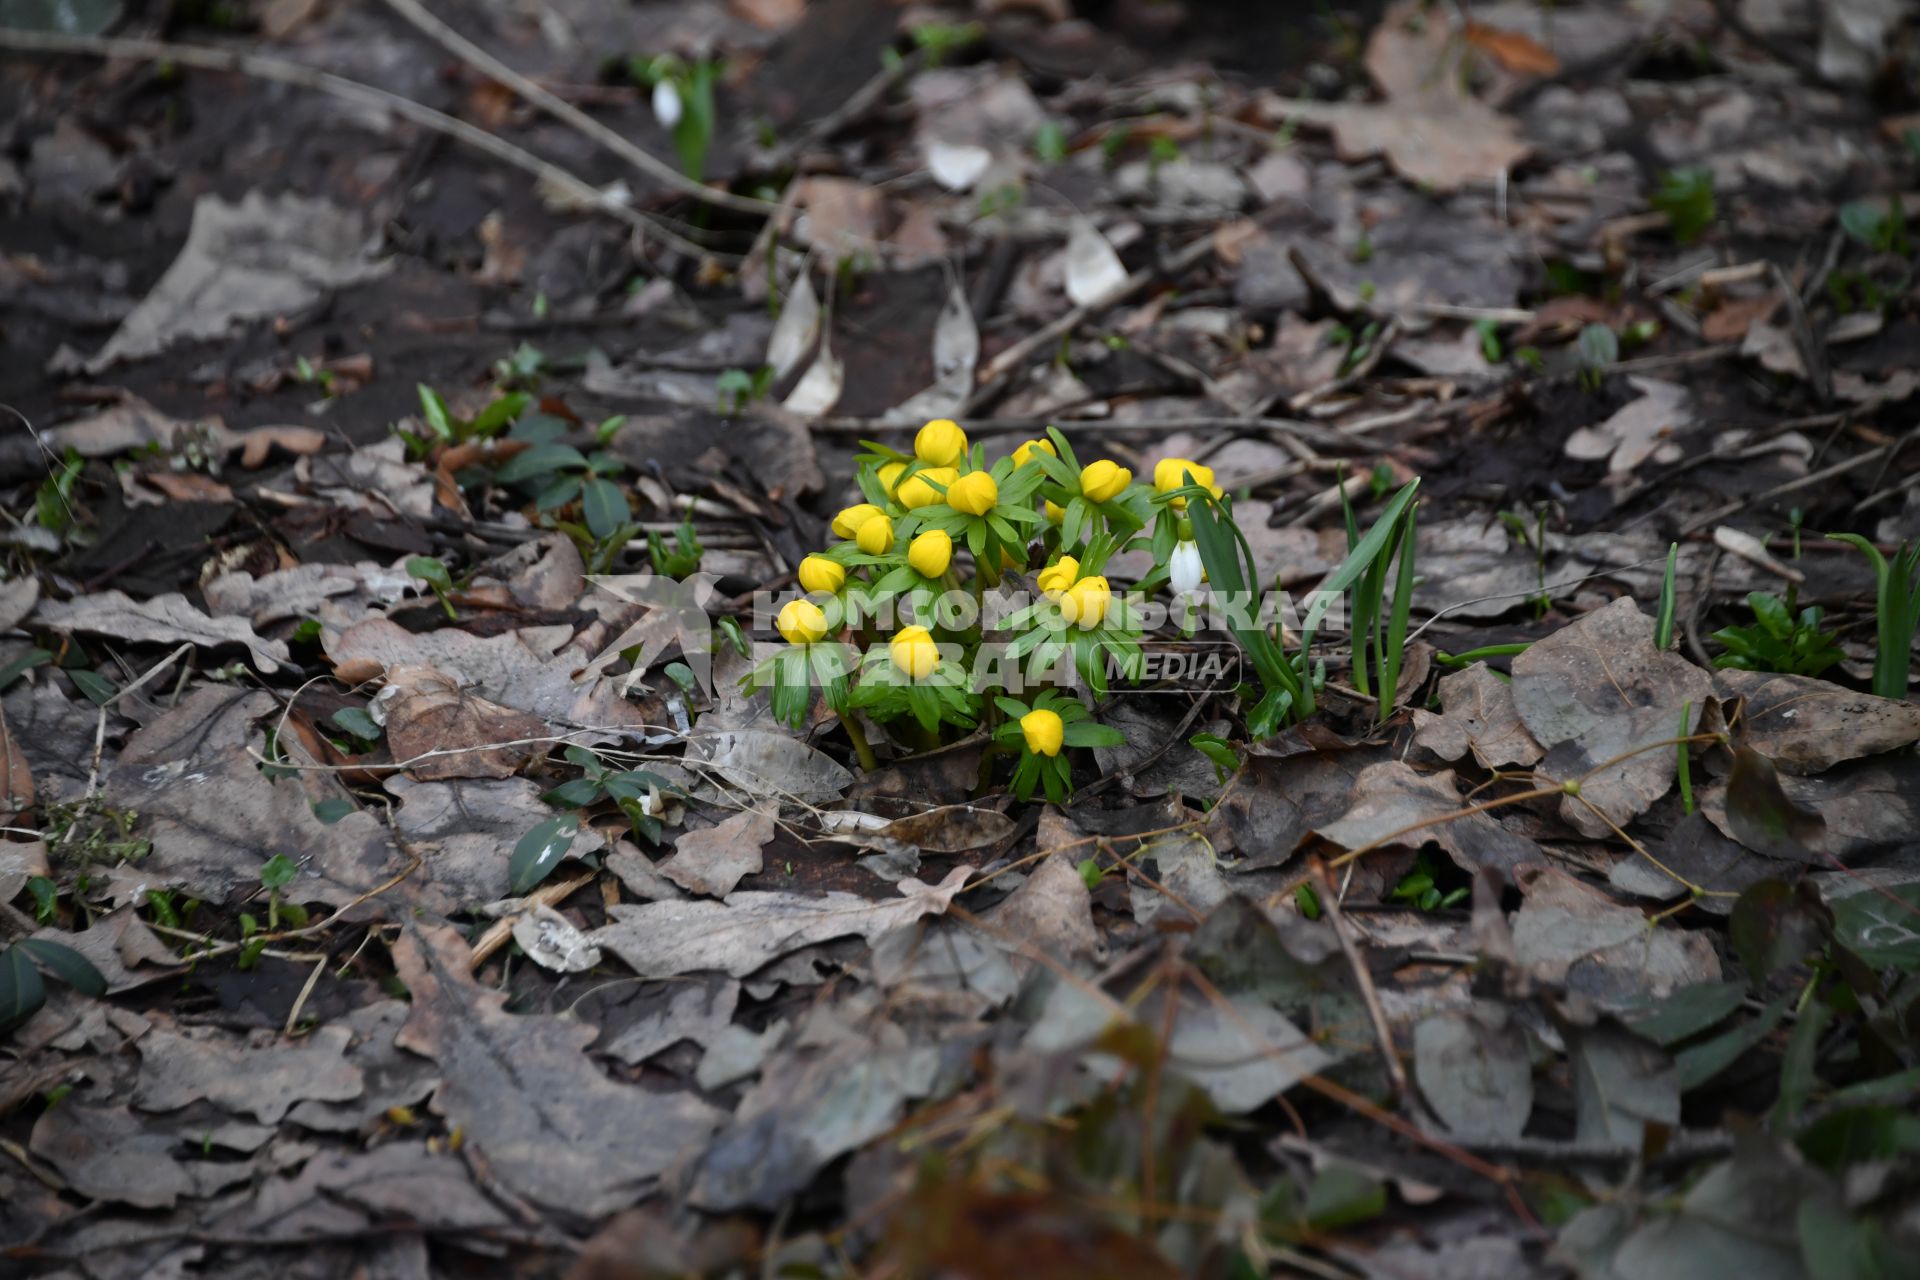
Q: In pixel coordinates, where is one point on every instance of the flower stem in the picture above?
(858, 737)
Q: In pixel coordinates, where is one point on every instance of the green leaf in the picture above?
(540, 460)
(1085, 733)
(66, 964)
(21, 665)
(357, 722)
(1686, 1012)
(21, 991)
(576, 794)
(605, 507)
(278, 872)
(430, 571)
(1881, 931)
(434, 410)
(331, 811)
(539, 852)
(98, 688)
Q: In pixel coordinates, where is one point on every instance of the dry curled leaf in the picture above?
(168, 619)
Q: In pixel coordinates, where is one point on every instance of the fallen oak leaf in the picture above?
(439, 730)
(752, 928)
(167, 619)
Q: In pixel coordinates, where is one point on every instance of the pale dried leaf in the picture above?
(167, 619)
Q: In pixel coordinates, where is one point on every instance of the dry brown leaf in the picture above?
(1429, 129)
(1390, 797)
(714, 859)
(1513, 50)
(460, 734)
(1807, 726)
(168, 619)
(265, 1083)
(1478, 716)
(550, 1125)
(1598, 690)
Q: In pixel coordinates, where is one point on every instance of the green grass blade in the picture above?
(1663, 624)
(1396, 648)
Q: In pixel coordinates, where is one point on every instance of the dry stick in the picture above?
(545, 896)
(313, 979)
(279, 71)
(654, 167)
(1003, 365)
(1781, 490)
(1363, 978)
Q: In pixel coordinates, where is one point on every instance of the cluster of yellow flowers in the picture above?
(940, 450)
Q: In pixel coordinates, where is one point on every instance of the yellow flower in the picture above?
(1102, 480)
(1058, 576)
(875, 536)
(1055, 513)
(1024, 454)
(974, 493)
(931, 553)
(889, 475)
(940, 443)
(817, 573)
(1085, 603)
(1171, 473)
(914, 652)
(848, 522)
(1044, 732)
(801, 622)
(916, 492)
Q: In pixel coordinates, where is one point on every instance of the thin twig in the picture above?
(560, 181)
(651, 165)
(1363, 978)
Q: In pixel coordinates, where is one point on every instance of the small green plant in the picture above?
(1287, 681)
(1663, 620)
(1218, 750)
(941, 40)
(638, 792)
(1050, 142)
(1683, 765)
(1379, 627)
(1039, 731)
(1489, 330)
(52, 503)
(683, 557)
(1532, 533)
(22, 992)
(554, 474)
(1880, 227)
(1161, 150)
(682, 103)
(737, 388)
(1896, 611)
(309, 374)
(1686, 197)
(1599, 350)
(438, 580)
(1778, 641)
(445, 428)
(85, 832)
(1419, 888)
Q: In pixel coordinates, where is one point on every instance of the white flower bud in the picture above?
(1185, 573)
(666, 103)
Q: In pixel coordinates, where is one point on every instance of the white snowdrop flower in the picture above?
(666, 103)
(1184, 571)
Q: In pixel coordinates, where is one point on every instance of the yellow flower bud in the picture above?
(914, 652)
(1055, 513)
(1024, 454)
(915, 492)
(889, 475)
(848, 522)
(875, 536)
(974, 493)
(1058, 576)
(931, 553)
(801, 622)
(1043, 731)
(1102, 480)
(1085, 603)
(940, 443)
(1171, 473)
(817, 573)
